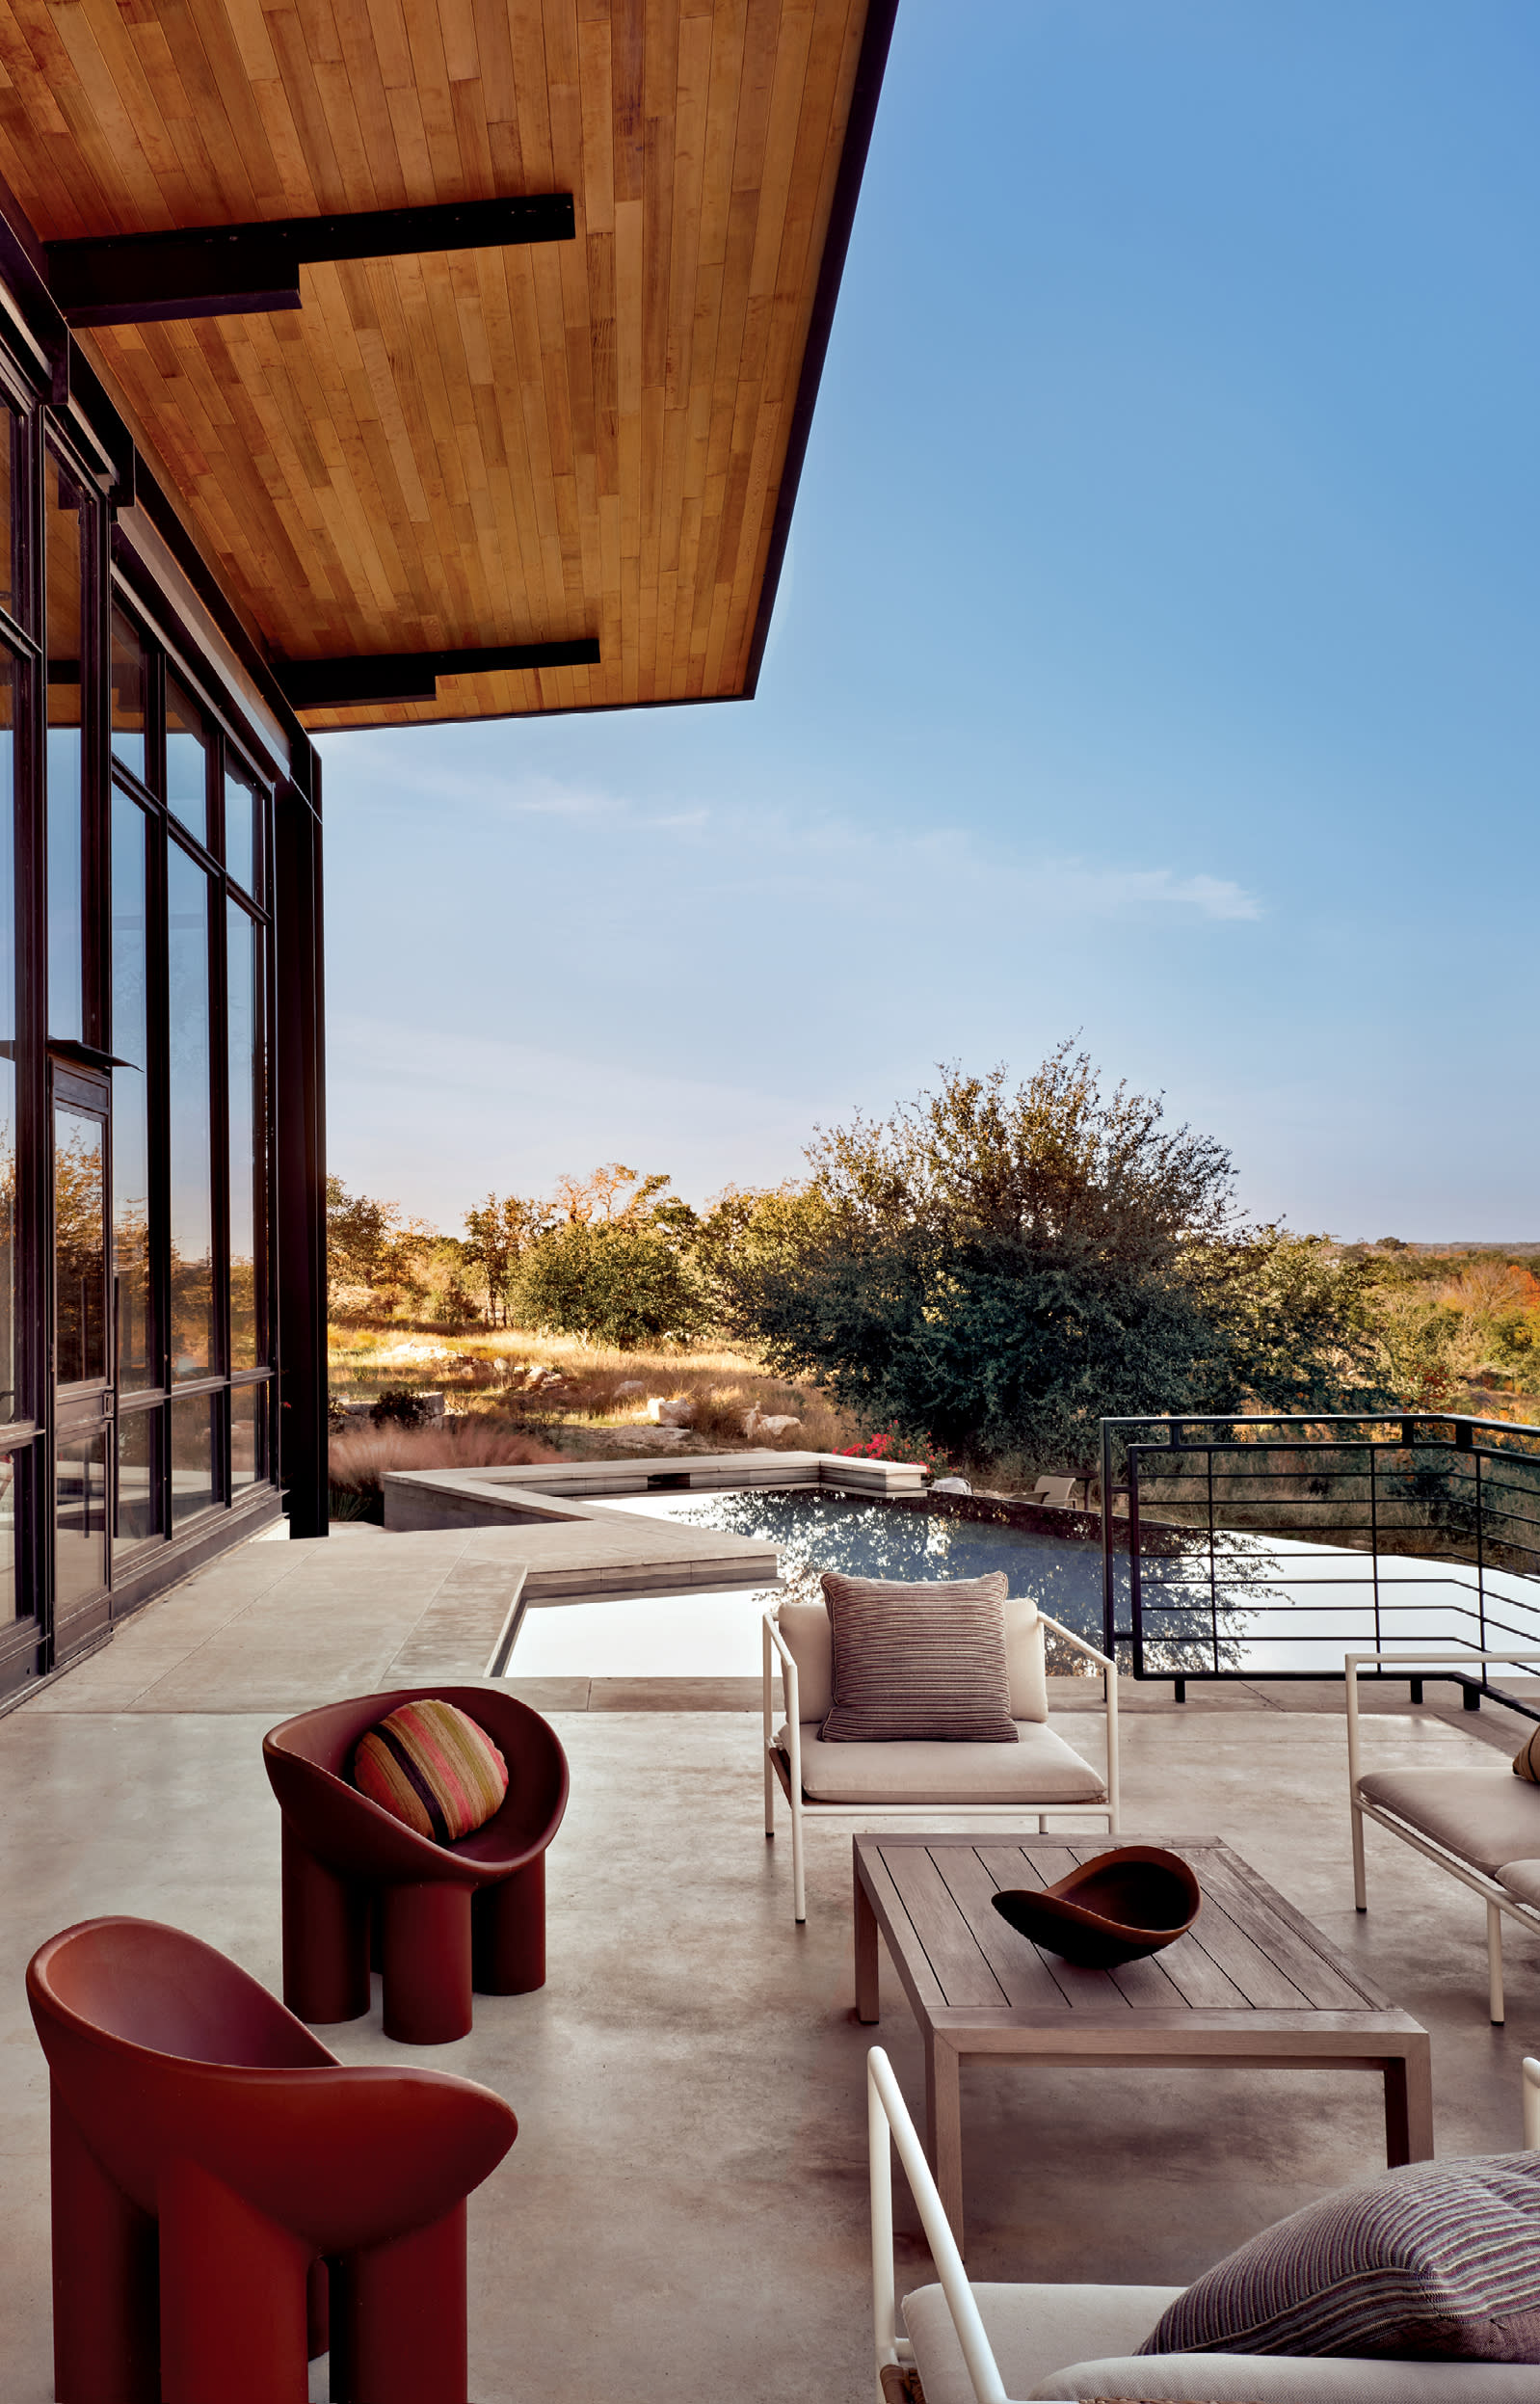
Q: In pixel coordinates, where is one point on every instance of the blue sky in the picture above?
(1156, 661)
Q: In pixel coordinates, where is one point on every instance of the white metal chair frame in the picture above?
(889, 2128)
(785, 1769)
(1496, 1899)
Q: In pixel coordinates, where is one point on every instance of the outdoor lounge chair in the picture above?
(450, 1918)
(230, 2200)
(995, 1784)
(991, 2343)
(1480, 1824)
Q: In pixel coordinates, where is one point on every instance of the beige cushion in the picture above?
(918, 1660)
(1039, 1769)
(1030, 2330)
(1485, 1816)
(1521, 1879)
(810, 1641)
(1039, 2337)
(1287, 2379)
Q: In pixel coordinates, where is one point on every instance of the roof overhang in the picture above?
(475, 351)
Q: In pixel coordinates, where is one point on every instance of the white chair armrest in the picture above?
(1109, 1696)
(889, 2125)
(775, 1641)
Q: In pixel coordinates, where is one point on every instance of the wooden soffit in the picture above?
(460, 450)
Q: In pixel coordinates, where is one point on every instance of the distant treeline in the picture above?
(994, 1267)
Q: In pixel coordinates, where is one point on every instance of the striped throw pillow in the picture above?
(1439, 2262)
(434, 1768)
(918, 1662)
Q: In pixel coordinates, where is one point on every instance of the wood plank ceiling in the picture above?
(479, 447)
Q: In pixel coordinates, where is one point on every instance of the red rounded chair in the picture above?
(223, 2188)
(447, 1918)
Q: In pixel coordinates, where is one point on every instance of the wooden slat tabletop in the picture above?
(1249, 1951)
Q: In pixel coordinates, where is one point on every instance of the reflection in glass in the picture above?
(192, 1212)
(247, 1407)
(243, 820)
(186, 760)
(137, 1514)
(80, 1518)
(61, 514)
(8, 586)
(128, 695)
(13, 1604)
(8, 1069)
(244, 1088)
(80, 1246)
(136, 1366)
(193, 1487)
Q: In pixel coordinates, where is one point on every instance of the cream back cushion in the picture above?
(1024, 1662)
(810, 1642)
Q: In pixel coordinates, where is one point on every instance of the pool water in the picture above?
(819, 1530)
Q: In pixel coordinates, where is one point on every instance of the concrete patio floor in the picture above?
(685, 2213)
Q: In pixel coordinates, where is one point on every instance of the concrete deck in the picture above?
(685, 2213)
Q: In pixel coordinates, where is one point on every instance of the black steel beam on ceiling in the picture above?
(414, 675)
(221, 271)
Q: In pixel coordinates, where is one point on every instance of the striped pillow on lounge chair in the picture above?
(917, 1662)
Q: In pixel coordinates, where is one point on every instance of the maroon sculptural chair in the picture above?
(448, 1918)
(210, 2157)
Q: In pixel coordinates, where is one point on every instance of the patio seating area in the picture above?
(685, 2212)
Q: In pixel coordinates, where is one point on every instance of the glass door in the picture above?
(82, 1390)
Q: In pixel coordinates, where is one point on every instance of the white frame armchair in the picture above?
(782, 1768)
(1360, 1807)
(891, 2129)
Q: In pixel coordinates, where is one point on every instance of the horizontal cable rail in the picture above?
(1270, 1547)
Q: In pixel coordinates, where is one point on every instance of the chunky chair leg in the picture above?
(326, 1938)
(508, 1932)
(406, 2306)
(106, 2307)
(427, 1963)
(233, 2290)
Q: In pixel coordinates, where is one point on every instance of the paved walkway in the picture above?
(684, 2216)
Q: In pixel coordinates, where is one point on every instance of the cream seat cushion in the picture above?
(1521, 1879)
(1486, 1817)
(1040, 2337)
(1030, 2330)
(1040, 1768)
(810, 1641)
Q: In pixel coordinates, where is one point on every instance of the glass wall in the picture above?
(136, 1353)
(66, 798)
(131, 991)
(192, 1158)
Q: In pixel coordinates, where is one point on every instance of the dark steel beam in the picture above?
(414, 675)
(222, 271)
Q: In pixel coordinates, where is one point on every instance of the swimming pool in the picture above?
(819, 1529)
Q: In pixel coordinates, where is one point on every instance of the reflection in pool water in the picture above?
(819, 1530)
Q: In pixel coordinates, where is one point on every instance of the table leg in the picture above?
(1409, 2105)
(867, 1990)
(943, 2128)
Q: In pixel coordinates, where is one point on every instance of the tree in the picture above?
(617, 1284)
(1000, 1269)
(497, 1232)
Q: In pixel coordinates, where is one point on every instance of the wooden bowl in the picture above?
(1124, 1904)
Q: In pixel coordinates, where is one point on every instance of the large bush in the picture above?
(621, 1283)
(1004, 1268)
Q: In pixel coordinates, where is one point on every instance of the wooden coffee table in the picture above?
(1251, 1986)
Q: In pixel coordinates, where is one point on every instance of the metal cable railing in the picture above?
(1269, 1547)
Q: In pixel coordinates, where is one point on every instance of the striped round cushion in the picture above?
(431, 1766)
(1438, 2262)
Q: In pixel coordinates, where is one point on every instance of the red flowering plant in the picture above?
(892, 1444)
